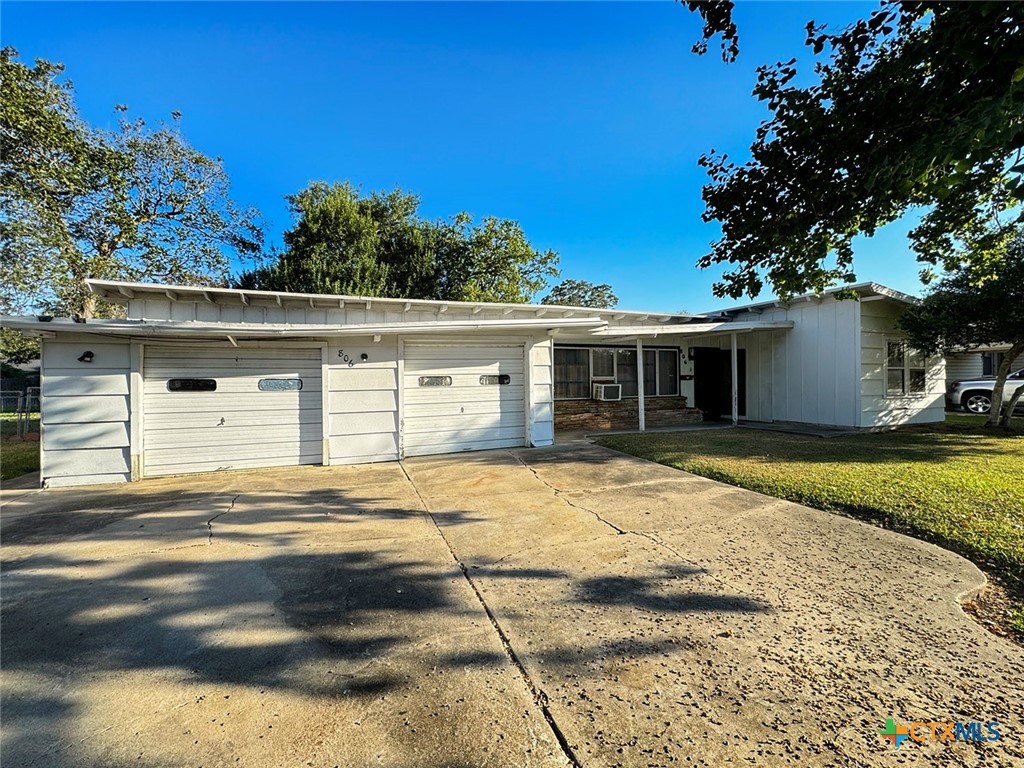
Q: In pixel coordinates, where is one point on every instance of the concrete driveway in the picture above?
(564, 606)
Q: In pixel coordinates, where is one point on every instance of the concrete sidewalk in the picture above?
(510, 608)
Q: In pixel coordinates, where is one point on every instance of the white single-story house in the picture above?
(203, 379)
(979, 363)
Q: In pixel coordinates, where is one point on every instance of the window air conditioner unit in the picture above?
(607, 391)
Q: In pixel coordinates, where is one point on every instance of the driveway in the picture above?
(551, 607)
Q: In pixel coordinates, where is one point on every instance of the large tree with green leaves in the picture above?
(976, 306)
(377, 245)
(136, 203)
(581, 293)
(919, 105)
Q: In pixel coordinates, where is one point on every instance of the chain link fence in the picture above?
(19, 412)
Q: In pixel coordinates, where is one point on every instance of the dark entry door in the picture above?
(712, 381)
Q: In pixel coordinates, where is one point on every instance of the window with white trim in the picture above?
(906, 369)
(577, 369)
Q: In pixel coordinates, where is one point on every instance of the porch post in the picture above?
(640, 382)
(735, 382)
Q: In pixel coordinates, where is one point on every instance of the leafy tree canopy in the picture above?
(136, 203)
(920, 104)
(975, 306)
(377, 245)
(580, 293)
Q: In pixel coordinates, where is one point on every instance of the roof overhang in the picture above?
(121, 292)
(863, 291)
(692, 329)
(243, 331)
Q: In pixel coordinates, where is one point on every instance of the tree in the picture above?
(377, 245)
(344, 244)
(920, 104)
(580, 293)
(973, 307)
(77, 203)
(488, 261)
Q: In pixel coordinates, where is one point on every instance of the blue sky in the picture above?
(583, 121)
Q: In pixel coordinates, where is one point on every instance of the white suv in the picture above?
(976, 395)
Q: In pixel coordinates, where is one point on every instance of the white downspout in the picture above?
(735, 383)
(640, 383)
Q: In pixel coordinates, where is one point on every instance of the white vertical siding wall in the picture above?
(86, 414)
(541, 408)
(362, 400)
(806, 374)
(878, 324)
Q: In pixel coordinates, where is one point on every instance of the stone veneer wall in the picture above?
(599, 414)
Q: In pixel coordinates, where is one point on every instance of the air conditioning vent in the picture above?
(607, 391)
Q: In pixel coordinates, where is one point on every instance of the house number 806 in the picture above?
(345, 358)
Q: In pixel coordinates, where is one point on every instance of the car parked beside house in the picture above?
(975, 395)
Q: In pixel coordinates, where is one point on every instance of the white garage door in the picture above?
(465, 398)
(211, 409)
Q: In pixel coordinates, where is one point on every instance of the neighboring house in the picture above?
(979, 363)
(203, 379)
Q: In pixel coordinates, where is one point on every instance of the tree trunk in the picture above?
(996, 412)
(88, 304)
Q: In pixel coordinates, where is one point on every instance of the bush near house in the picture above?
(956, 485)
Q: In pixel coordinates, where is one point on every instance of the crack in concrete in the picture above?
(539, 696)
(209, 523)
(656, 540)
(558, 494)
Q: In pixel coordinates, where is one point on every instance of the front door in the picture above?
(712, 381)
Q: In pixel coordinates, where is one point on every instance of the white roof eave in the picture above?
(121, 292)
(148, 328)
(691, 329)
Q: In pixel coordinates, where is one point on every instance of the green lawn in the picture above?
(955, 484)
(17, 457)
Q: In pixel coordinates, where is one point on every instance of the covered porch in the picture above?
(661, 377)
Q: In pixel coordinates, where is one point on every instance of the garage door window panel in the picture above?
(191, 385)
(279, 385)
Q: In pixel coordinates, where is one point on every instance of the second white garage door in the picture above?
(465, 398)
(207, 409)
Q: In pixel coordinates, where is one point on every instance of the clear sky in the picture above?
(583, 121)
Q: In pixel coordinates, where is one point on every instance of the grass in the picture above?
(17, 457)
(953, 484)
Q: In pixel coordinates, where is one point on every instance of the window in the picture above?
(502, 378)
(990, 362)
(668, 372)
(572, 373)
(435, 381)
(625, 364)
(191, 385)
(578, 369)
(603, 363)
(905, 370)
(280, 385)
